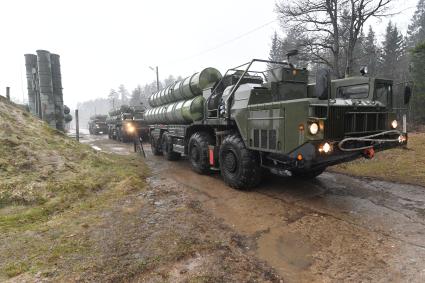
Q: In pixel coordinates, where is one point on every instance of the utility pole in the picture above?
(157, 76)
(8, 93)
(77, 126)
(157, 79)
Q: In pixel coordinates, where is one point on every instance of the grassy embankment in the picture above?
(403, 165)
(49, 183)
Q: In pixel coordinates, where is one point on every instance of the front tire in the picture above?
(240, 167)
(198, 152)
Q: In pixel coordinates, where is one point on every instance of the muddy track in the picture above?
(331, 229)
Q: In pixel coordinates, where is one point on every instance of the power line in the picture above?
(227, 42)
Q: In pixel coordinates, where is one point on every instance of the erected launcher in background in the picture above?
(45, 97)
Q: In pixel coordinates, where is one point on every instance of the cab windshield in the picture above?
(138, 116)
(127, 116)
(353, 91)
(383, 93)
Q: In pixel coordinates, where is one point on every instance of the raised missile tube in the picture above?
(180, 112)
(185, 89)
(31, 70)
(57, 91)
(48, 111)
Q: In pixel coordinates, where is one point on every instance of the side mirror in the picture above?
(407, 94)
(323, 84)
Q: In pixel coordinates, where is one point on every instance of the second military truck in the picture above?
(97, 125)
(246, 121)
(126, 123)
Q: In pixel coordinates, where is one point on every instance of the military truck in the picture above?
(250, 121)
(126, 123)
(97, 125)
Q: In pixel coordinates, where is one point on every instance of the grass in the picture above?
(402, 165)
(49, 184)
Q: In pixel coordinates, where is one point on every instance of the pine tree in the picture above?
(113, 99)
(418, 74)
(371, 52)
(359, 54)
(136, 96)
(416, 30)
(275, 50)
(123, 92)
(392, 52)
(168, 81)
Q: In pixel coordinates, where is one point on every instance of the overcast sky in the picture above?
(106, 43)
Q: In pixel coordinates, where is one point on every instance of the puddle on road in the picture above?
(289, 253)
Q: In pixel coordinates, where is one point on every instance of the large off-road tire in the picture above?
(307, 174)
(167, 148)
(155, 147)
(240, 167)
(198, 152)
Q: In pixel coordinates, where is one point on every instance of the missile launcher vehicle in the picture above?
(97, 125)
(126, 123)
(250, 121)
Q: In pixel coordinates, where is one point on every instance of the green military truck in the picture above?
(126, 123)
(247, 121)
(97, 125)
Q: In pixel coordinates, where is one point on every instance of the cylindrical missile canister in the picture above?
(46, 87)
(187, 88)
(181, 112)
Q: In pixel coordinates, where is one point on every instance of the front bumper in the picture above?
(313, 158)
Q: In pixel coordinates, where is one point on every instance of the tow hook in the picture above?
(369, 153)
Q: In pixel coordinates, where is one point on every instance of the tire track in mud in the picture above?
(333, 229)
(291, 246)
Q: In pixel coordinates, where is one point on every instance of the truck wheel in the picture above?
(155, 147)
(307, 174)
(240, 167)
(167, 148)
(198, 152)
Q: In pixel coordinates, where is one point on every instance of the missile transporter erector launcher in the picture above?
(126, 123)
(97, 125)
(247, 121)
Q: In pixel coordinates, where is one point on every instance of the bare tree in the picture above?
(330, 27)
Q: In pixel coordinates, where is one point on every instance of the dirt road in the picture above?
(331, 229)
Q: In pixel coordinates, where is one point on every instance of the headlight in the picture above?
(394, 124)
(130, 128)
(326, 148)
(313, 128)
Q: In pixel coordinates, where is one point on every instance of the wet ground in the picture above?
(331, 229)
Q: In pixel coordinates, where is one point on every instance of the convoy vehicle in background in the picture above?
(249, 121)
(97, 125)
(126, 123)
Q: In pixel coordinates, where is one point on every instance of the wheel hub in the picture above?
(230, 162)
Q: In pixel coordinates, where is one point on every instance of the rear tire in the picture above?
(198, 152)
(307, 174)
(240, 167)
(167, 148)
